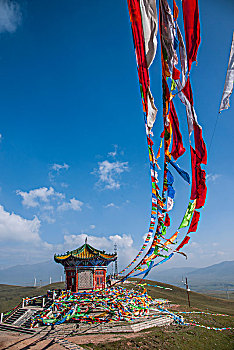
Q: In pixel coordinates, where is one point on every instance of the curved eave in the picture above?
(61, 259)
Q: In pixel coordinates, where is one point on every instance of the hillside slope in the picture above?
(23, 275)
(10, 296)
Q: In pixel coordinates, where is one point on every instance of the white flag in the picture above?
(150, 28)
(152, 110)
(228, 86)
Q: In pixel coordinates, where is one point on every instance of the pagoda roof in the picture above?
(85, 252)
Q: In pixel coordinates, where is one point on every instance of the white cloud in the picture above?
(10, 16)
(47, 218)
(109, 173)
(58, 167)
(55, 170)
(73, 204)
(15, 228)
(64, 185)
(92, 227)
(126, 251)
(212, 177)
(111, 205)
(124, 241)
(114, 153)
(34, 197)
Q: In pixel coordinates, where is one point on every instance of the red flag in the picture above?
(199, 143)
(175, 73)
(177, 145)
(194, 222)
(187, 90)
(192, 29)
(185, 241)
(194, 175)
(167, 221)
(175, 10)
(150, 142)
(199, 188)
(138, 37)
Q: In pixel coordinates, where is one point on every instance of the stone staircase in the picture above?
(15, 316)
(19, 320)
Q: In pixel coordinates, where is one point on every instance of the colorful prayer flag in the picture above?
(188, 215)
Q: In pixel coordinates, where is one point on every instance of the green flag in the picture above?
(188, 215)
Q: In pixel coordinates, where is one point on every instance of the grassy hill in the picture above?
(167, 338)
(10, 296)
(200, 301)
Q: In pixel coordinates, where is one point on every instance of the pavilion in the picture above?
(85, 268)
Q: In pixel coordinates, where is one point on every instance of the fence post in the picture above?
(23, 303)
(1, 317)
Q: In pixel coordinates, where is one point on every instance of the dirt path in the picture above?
(14, 341)
(103, 338)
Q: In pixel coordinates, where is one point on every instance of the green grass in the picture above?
(197, 300)
(10, 296)
(172, 338)
(164, 338)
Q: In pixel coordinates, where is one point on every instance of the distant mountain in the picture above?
(218, 276)
(24, 275)
(214, 277)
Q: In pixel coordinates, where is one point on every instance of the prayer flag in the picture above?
(138, 38)
(199, 188)
(177, 144)
(180, 171)
(150, 28)
(188, 215)
(187, 90)
(199, 143)
(194, 222)
(167, 29)
(228, 86)
(175, 10)
(170, 203)
(185, 241)
(192, 29)
(152, 110)
(167, 221)
(183, 57)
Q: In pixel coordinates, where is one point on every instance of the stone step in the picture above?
(12, 328)
(15, 316)
(68, 345)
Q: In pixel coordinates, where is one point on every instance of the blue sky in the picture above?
(73, 149)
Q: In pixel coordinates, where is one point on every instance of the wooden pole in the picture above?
(188, 290)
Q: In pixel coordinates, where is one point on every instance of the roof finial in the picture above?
(86, 240)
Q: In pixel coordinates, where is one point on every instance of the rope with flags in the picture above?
(177, 56)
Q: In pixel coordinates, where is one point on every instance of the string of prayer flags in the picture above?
(143, 18)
